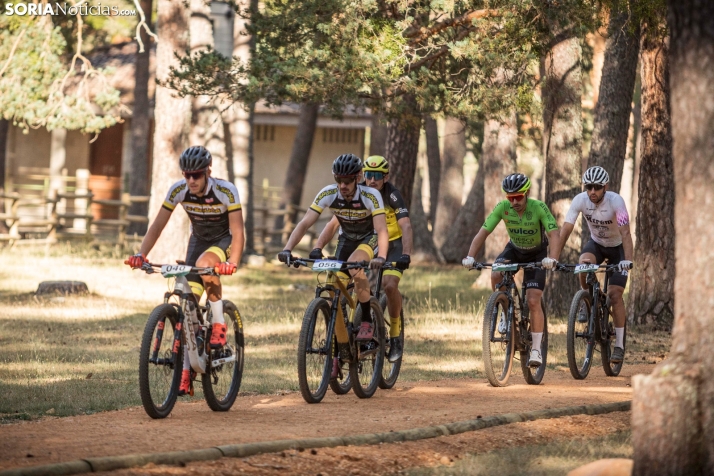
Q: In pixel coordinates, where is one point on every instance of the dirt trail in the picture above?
(272, 417)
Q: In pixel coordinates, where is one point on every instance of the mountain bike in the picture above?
(390, 370)
(328, 336)
(598, 328)
(507, 328)
(178, 321)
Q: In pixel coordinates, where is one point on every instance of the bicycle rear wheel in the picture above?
(580, 340)
(608, 346)
(534, 376)
(497, 347)
(314, 350)
(390, 370)
(366, 371)
(222, 380)
(159, 369)
(341, 384)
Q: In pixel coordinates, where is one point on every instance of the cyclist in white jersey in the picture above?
(610, 239)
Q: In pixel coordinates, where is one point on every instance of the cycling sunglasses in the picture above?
(345, 179)
(516, 197)
(194, 175)
(370, 175)
(593, 186)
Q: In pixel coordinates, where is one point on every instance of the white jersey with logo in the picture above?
(604, 218)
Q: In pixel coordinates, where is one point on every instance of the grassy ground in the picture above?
(74, 355)
(556, 458)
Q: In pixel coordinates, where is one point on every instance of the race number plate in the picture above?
(586, 268)
(501, 267)
(327, 265)
(169, 270)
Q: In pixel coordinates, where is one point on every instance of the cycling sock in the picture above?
(366, 312)
(620, 337)
(217, 310)
(537, 338)
(186, 360)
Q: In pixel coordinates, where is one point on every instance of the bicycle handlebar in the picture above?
(148, 268)
(606, 267)
(345, 264)
(480, 266)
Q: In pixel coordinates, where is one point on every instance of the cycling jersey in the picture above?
(604, 218)
(527, 232)
(208, 213)
(355, 217)
(395, 209)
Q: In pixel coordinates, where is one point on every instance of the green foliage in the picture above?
(466, 58)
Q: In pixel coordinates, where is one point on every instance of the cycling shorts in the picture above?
(532, 278)
(393, 254)
(196, 247)
(613, 255)
(345, 247)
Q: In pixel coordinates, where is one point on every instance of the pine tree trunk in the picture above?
(673, 409)
(652, 279)
(433, 160)
(424, 249)
(402, 147)
(467, 223)
(139, 178)
(562, 138)
(451, 185)
(172, 122)
(378, 137)
(297, 167)
(4, 127)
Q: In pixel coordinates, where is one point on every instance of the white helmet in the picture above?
(596, 175)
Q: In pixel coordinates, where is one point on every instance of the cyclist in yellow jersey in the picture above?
(376, 175)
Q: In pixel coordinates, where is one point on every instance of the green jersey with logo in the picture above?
(528, 231)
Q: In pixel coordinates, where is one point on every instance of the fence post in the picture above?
(83, 204)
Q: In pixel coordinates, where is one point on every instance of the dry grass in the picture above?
(80, 354)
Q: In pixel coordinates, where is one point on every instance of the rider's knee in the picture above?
(391, 287)
(533, 300)
(615, 294)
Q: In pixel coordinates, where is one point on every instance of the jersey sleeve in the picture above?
(621, 215)
(229, 196)
(494, 217)
(575, 209)
(373, 200)
(546, 218)
(176, 194)
(324, 198)
(396, 202)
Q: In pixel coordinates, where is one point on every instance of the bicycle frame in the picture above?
(599, 301)
(513, 294)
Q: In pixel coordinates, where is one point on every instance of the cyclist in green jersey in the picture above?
(531, 228)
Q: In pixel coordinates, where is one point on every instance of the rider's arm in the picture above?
(380, 226)
(554, 246)
(235, 223)
(565, 232)
(327, 233)
(478, 242)
(307, 221)
(154, 231)
(627, 242)
(407, 237)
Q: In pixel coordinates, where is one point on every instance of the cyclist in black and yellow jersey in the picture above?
(216, 241)
(376, 175)
(531, 228)
(360, 212)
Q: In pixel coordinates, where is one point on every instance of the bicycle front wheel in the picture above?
(607, 344)
(366, 370)
(222, 379)
(498, 347)
(534, 376)
(314, 351)
(390, 370)
(580, 341)
(159, 368)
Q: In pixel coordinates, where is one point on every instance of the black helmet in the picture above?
(347, 164)
(516, 183)
(195, 158)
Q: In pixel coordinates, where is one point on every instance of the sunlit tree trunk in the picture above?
(172, 122)
(424, 249)
(467, 223)
(433, 160)
(652, 279)
(673, 408)
(451, 185)
(4, 126)
(562, 139)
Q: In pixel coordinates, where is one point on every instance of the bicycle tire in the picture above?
(493, 353)
(222, 383)
(390, 370)
(535, 376)
(158, 384)
(580, 339)
(313, 363)
(608, 345)
(342, 384)
(366, 371)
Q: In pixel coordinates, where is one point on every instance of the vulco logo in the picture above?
(22, 9)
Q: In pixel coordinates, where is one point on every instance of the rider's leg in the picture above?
(361, 281)
(618, 313)
(533, 297)
(390, 283)
(586, 258)
(214, 293)
(495, 279)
